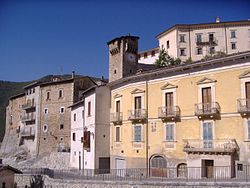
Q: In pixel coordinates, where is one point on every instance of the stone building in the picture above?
(90, 135)
(14, 125)
(192, 115)
(7, 174)
(55, 117)
(197, 41)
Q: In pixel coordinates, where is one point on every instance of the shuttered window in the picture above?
(137, 133)
(169, 132)
(117, 134)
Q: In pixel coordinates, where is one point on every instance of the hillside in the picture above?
(7, 89)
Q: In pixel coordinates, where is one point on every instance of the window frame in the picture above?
(232, 36)
(172, 134)
(73, 136)
(134, 133)
(118, 136)
(184, 52)
(233, 46)
(60, 94)
(60, 111)
(89, 109)
(182, 38)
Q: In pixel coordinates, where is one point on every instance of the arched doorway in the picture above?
(158, 166)
(182, 170)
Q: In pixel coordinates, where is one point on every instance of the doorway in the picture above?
(207, 168)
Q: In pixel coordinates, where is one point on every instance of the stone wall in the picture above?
(23, 180)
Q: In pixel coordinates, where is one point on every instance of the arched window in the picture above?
(182, 170)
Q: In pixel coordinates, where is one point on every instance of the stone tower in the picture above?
(123, 58)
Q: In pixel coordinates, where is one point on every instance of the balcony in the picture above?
(27, 132)
(116, 118)
(169, 113)
(28, 106)
(208, 42)
(137, 115)
(244, 107)
(220, 146)
(207, 110)
(28, 117)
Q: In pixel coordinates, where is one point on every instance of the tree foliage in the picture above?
(166, 60)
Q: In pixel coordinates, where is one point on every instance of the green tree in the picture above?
(166, 60)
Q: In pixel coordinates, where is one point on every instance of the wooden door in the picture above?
(247, 88)
(206, 99)
(169, 102)
(138, 102)
(209, 164)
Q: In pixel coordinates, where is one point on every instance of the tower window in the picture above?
(60, 93)
(61, 126)
(48, 96)
(62, 110)
(114, 71)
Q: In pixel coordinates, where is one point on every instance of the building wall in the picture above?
(222, 37)
(89, 155)
(53, 136)
(186, 94)
(76, 146)
(13, 125)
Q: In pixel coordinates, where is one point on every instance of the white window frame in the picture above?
(164, 91)
(174, 131)
(231, 31)
(141, 133)
(46, 109)
(142, 100)
(232, 46)
(201, 86)
(60, 111)
(184, 37)
(45, 125)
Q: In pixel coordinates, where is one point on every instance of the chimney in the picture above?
(217, 20)
(73, 74)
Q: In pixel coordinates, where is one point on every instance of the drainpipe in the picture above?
(147, 145)
(226, 38)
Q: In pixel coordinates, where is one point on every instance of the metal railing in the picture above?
(207, 42)
(207, 108)
(218, 145)
(243, 105)
(169, 111)
(28, 106)
(116, 117)
(29, 117)
(27, 131)
(137, 114)
(201, 174)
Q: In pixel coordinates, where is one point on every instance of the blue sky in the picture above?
(41, 37)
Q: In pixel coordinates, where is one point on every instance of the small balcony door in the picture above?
(169, 102)
(247, 88)
(117, 106)
(206, 99)
(207, 135)
(211, 37)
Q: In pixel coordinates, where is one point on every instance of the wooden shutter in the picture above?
(117, 106)
(206, 95)
(247, 87)
(169, 100)
(86, 137)
(138, 102)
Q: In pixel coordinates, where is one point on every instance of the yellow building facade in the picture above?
(193, 115)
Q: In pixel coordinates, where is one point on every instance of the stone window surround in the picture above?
(201, 128)
(201, 86)
(142, 136)
(165, 131)
(168, 90)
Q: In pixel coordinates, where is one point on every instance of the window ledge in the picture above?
(170, 141)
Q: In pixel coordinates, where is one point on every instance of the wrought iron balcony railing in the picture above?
(27, 132)
(116, 118)
(169, 113)
(219, 145)
(207, 110)
(207, 42)
(28, 106)
(137, 114)
(29, 117)
(244, 106)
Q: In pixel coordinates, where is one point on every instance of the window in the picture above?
(240, 167)
(233, 46)
(212, 50)
(11, 119)
(169, 132)
(62, 110)
(248, 129)
(74, 136)
(198, 38)
(48, 95)
(211, 37)
(61, 126)
(207, 134)
(34, 90)
(114, 71)
(117, 134)
(138, 102)
(45, 128)
(145, 55)
(60, 93)
(46, 110)
(137, 133)
(182, 38)
(153, 53)
(183, 52)
(233, 34)
(83, 114)
(117, 106)
(89, 108)
(199, 51)
(74, 117)
(168, 44)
